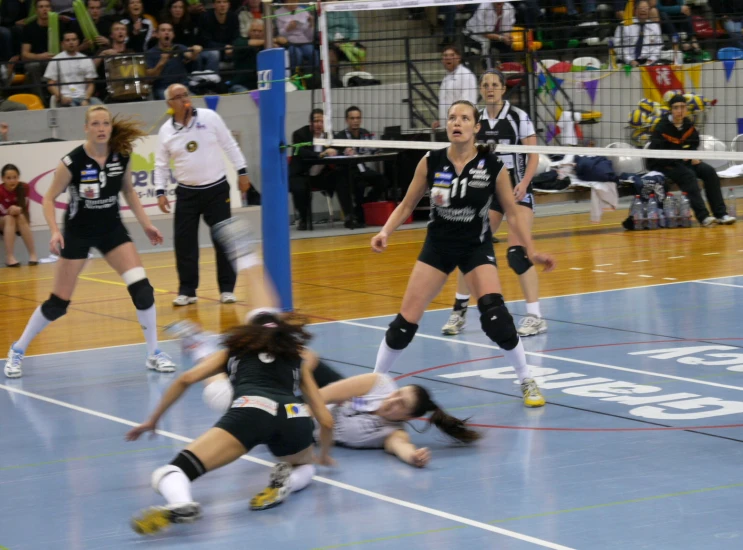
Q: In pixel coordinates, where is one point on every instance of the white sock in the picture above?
(248, 261)
(301, 477)
(517, 358)
(386, 357)
(175, 487)
(148, 322)
(533, 309)
(35, 325)
(463, 297)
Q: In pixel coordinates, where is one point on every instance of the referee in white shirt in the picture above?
(193, 139)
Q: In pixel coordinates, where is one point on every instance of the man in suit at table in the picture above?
(306, 175)
(361, 175)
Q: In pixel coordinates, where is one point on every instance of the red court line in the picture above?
(566, 349)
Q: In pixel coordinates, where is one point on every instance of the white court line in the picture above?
(327, 481)
(569, 360)
(598, 271)
(675, 257)
(646, 276)
(429, 336)
(717, 284)
(711, 254)
(541, 299)
(621, 273)
(576, 268)
(639, 261)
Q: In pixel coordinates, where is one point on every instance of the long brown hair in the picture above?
(450, 425)
(280, 335)
(20, 191)
(124, 130)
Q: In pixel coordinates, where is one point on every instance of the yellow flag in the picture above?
(629, 12)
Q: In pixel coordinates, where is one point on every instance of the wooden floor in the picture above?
(340, 278)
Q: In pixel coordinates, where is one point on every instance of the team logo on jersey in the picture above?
(191, 146)
(266, 358)
(481, 164)
(297, 410)
(88, 175)
(90, 190)
(200, 126)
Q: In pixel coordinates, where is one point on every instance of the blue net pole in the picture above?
(274, 173)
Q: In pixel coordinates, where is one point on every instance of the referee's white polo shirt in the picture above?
(196, 152)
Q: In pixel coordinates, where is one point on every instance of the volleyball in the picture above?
(646, 105)
(638, 118)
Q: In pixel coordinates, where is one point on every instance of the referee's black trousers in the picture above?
(213, 203)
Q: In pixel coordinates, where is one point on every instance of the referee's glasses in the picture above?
(179, 97)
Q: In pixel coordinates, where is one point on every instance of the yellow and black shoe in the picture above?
(532, 396)
(158, 518)
(277, 491)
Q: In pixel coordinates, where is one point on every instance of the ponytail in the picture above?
(448, 424)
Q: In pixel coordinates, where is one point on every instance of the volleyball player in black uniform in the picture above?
(501, 123)
(95, 173)
(464, 184)
(270, 369)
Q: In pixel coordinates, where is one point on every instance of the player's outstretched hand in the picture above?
(420, 458)
(545, 260)
(379, 242)
(153, 233)
(135, 433)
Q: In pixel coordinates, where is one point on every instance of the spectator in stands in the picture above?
(219, 28)
(6, 77)
(297, 27)
(361, 175)
(306, 176)
(14, 215)
(250, 10)
(459, 83)
(140, 27)
(675, 17)
(35, 46)
(639, 43)
(184, 27)
(491, 24)
(12, 13)
(245, 57)
(343, 32)
(107, 58)
(677, 133)
(102, 25)
(731, 14)
(588, 8)
(167, 61)
(71, 75)
(450, 20)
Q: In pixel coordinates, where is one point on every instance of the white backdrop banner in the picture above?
(37, 162)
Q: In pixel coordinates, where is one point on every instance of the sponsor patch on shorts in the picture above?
(297, 410)
(256, 402)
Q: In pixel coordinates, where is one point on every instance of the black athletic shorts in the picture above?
(282, 423)
(446, 258)
(528, 200)
(76, 246)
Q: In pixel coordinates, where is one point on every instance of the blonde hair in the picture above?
(124, 130)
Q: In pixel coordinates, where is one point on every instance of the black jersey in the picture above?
(460, 202)
(265, 375)
(508, 128)
(94, 191)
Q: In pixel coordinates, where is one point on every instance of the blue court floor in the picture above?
(639, 446)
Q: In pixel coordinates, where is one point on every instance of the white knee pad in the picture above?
(218, 395)
(160, 473)
(133, 275)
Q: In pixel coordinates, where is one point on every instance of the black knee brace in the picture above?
(189, 463)
(518, 260)
(400, 333)
(54, 307)
(497, 322)
(142, 293)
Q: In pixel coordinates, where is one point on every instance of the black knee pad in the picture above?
(518, 260)
(497, 322)
(142, 293)
(400, 333)
(190, 464)
(54, 307)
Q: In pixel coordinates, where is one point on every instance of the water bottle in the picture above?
(670, 210)
(730, 204)
(637, 213)
(684, 211)
(652, 222)
(196, 343)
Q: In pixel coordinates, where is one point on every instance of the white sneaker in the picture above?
(531, 325)
(13, 363)
(278, 488)
(456, 323)
(709, 221)
(227, 298)
(160, 362)
(183, 300)
(726, 220)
